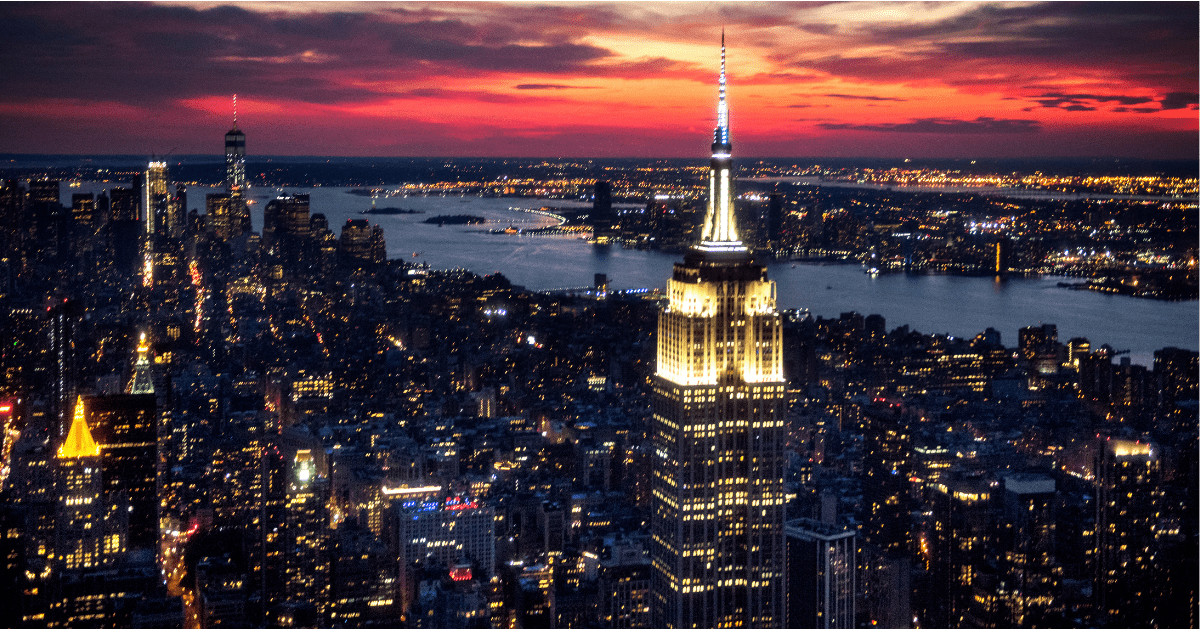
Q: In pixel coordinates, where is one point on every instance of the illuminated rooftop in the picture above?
(79, 442)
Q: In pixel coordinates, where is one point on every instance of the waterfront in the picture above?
(955, 305)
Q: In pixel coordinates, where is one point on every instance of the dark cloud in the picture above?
(981, 125)
(1140, 42)
(1136, 110)
(864, 98)
(1085, 102)
(544, 86)
(1179, 100)
(146, 55)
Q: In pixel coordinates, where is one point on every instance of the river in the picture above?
(954, 305)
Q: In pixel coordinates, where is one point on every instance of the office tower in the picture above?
(1176, 372)
(443, 532)
(65, 315)
(361, 243)
(285, 220)
(961, 536)
(1096, 374)
(143, 381)
(775, 219)
(219, 219)
(235, 157)
(887, 467)
(177, 212)
(14, 229)
(221, 593)
(377, 250)
(307, 557)
(717, 431)
(602, 214)
(43, 191)
(123, 203)
(80, 534)
(1128, 506)
(126, 428)
(155, 197)
(821, 565)
(1039, 347)
(1029, 570)
(83, 208)
(361, 585)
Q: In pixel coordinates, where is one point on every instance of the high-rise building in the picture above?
(1128, 505)
(44, 191)
(718, 430)
(962, 534)
(123, 203)
(821, 568)
(1029, 571)
(308, 545)
(126, 428)
(80, 534)
(444, 532)
(285, 218)
(143, 381)
(1176, 371)
(65, 315)
(602, 214)
(155, 197)
(361, 243)
(235, 156)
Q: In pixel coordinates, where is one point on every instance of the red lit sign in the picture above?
(460, 574)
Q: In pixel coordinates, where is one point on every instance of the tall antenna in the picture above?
(235, 95)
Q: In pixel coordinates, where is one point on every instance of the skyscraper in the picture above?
(235, 155)
(236, 217)
(821, 575)
(1128, 504)
(717, 431)
(154, 197)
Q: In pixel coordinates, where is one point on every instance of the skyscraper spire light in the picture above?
(717, 493)
(79, 442)
(142, 383)
(720, 229)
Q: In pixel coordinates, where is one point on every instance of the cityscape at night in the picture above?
(827, 315)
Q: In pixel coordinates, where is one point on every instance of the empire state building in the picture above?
(717, 430)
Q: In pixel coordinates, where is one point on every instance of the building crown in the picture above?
(720, 229)
(79, 442)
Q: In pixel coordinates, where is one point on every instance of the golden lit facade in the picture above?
(86, 535)
(154, 196)
(717, 431)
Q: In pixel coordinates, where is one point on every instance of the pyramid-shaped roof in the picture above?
(79, 442)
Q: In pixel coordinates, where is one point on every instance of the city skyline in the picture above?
(599, 80)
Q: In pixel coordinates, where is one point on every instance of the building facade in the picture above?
(822, 584)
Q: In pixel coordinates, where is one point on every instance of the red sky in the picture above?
(601, 80)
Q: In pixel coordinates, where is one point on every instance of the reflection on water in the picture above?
(959, 306)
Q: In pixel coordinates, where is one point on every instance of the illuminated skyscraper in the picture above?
(155, 197)
(1128, 506)
(235, 219)
(81, 510)
(717, 431)
(235, 155)
(142, 382)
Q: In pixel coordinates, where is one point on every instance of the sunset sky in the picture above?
(602, 80)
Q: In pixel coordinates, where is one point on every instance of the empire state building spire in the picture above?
(717, 431)
(720, 229)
